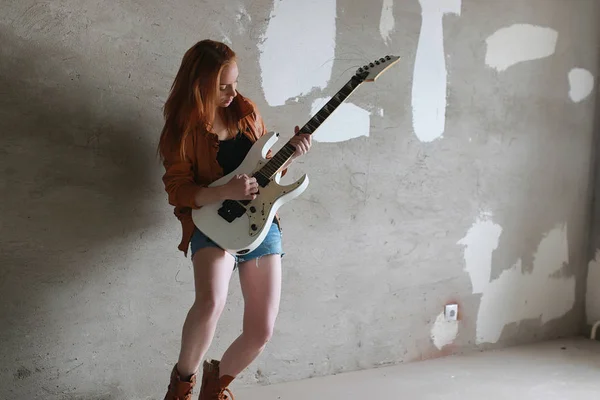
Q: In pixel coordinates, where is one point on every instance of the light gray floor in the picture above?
(563, 369)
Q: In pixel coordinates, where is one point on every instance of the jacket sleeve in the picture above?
(179, 181)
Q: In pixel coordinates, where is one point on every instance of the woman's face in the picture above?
(228, 84)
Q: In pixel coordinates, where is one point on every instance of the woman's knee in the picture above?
(210, 304)
(259, 334)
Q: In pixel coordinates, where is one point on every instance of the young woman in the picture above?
(209, 128)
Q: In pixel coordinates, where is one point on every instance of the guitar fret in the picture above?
(325, 112)
(277, 161)
(289, 149)
(269, 169)
(313, 124)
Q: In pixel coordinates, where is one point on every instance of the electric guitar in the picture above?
(240, 226)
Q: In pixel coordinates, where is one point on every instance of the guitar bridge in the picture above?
(230, 210)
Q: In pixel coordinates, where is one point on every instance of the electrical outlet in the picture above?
(451, 312)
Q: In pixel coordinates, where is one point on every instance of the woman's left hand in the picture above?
(301, 142)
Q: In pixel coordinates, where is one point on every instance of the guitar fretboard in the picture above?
(285, 153)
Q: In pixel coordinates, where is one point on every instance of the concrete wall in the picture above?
(460, 176)
(593, 277)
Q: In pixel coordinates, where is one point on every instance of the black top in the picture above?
(232, 152)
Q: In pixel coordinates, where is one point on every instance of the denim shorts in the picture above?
(270, 245)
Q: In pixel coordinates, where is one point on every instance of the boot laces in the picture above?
(186, 396)
(224, 396)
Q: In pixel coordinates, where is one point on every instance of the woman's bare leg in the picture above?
(212, 272)
(261, 288)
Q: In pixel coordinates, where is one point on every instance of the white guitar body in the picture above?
(238, 236)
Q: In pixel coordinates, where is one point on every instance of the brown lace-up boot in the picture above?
(179, 389)
(224, 392)
(213, 387)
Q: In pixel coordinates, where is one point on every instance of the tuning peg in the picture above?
(372, 65)
(388, 57)
(382, 60)
(366, 67)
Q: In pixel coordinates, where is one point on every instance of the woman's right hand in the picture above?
(241, 187)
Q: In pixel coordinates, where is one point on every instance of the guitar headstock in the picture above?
(372, 71)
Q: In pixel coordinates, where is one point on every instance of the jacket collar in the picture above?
(244, 106)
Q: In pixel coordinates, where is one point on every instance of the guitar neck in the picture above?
(315, 122)
(286, 152)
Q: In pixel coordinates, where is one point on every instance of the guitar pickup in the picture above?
(230, 210)
(261, 180)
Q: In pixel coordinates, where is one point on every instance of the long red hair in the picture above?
(194, 94)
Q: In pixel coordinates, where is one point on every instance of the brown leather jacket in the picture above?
(183, 177)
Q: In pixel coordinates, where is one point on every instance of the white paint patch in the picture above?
(380, 112)
(518, 43)
(443, 332)
(295, 57)
(348, 121)
(429, 77)
(592, 300)
(226, 39)
(242, 19)
(480, 242)
(516, 296)
(387, 22)
(581, 84)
